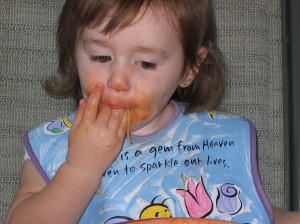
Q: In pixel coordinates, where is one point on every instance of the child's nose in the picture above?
(119, 79)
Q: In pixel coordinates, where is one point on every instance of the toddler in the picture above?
(144, 141)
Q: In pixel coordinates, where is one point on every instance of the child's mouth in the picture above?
(115, 106)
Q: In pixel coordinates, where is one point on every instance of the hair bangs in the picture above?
(120, 14)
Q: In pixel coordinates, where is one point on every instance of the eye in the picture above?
(147, 65)
(100, 59)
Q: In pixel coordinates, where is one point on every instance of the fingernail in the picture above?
(81, 101)
(100, 85)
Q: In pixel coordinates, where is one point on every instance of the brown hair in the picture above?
(193, 19)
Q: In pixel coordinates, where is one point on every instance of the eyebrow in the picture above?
(88, 41)
(142, 49)
(151, 51)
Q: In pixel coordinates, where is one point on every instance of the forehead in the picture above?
(120, 14)
(153, 21)
(148, 29)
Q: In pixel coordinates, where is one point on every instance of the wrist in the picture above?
(81, 174)
(88, 166)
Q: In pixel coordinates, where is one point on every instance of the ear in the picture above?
(191, 72)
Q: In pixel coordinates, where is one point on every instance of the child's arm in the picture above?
(91, 151)
(285, 217)
(61, 201)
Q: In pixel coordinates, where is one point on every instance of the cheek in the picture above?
(143, 107)
(140, 114)
(88, 80)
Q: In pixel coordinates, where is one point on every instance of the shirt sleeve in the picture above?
(26, 156)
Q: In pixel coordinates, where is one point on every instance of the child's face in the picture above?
(140, 66)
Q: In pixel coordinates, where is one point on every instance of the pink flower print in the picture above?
(197, 202)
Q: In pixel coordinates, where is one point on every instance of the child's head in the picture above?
(192, 20)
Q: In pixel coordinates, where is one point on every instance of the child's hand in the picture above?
(97, 135)
(284, 217)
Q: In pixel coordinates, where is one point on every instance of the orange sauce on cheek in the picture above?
(140, 108)
(140, 114)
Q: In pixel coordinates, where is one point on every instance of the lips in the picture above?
(140, 109)
(114, 106)
(115, 102)
(138, 114)
(118, 102)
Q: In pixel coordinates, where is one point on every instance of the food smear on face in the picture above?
(138, 109)
(119, 87)
(135, 116)
(139, 114)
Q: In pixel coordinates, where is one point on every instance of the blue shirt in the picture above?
(200, 165)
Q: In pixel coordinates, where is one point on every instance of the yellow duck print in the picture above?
(156, 210)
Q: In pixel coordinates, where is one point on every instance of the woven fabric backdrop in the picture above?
(249, 36)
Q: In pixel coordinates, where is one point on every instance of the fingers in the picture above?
(124, 125)
(115, 120)
(104, 115)
(79, 113)
(110, 118)
(91, 108)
